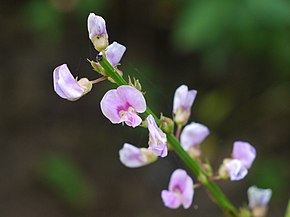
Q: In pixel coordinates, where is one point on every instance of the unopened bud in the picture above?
(85, 84)
(181, 116)
(97, 67)
(98, 32)
(166, 124)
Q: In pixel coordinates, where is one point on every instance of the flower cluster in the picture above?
(127, 105)
(65, 85)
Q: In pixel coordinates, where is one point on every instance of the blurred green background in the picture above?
(60, 158)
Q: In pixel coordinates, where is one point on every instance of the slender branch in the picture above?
(177, 134)
(211, 179)
(217, 195)
(103, 78)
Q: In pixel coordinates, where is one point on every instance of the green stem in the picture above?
(214, 190)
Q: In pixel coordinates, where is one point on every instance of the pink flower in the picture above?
(192, 135)
(157, 139)
(133, 157)
(123, 105)
(114, 53)
(180, 190)
(244, 152)
(66, 86)
(182, 102)
(236, 169)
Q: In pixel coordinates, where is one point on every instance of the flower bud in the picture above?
(244, 152)
(166, 124)
(133, 157)
(97, 32)
(258, 196)
(97, 67)
(157, 139)
(182, 102)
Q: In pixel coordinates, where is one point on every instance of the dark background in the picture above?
(60, 158)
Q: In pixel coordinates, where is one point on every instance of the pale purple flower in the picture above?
(180, 190)
(96, 26)
(236, 169)
(133, 157)
(193, 134)
(114, 53)
(97, 31)
(157, 139)
(258, 196)
(123, 105)
(66, 86)
(244, 152)
(182, 102)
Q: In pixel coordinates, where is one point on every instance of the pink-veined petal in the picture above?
(170, 199)
(110, 104)
(133, 96)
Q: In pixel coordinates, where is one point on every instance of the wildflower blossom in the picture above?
(243, 156)
(157, 139)
(192, 135)
(258, 196)
(244, 152)
(133, 157)
(66, 86)
(97, 31)
(123, 105)
(182, 102)
(180, 190)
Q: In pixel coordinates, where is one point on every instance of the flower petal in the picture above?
(179, 97)
(170, 199)
(131, 119)
(189, 99)
(157, 139)
(187, 194)
(244, 152)
(133, 97)
(236, 170)
(193, 134)
(65, 84)
(183, 98)
(178, 180)
(110, 104)
(114, 53)
(181, 188)
(96, 26)
(133, 157)
(258, 196)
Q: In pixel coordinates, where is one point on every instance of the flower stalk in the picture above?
(216, 194)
